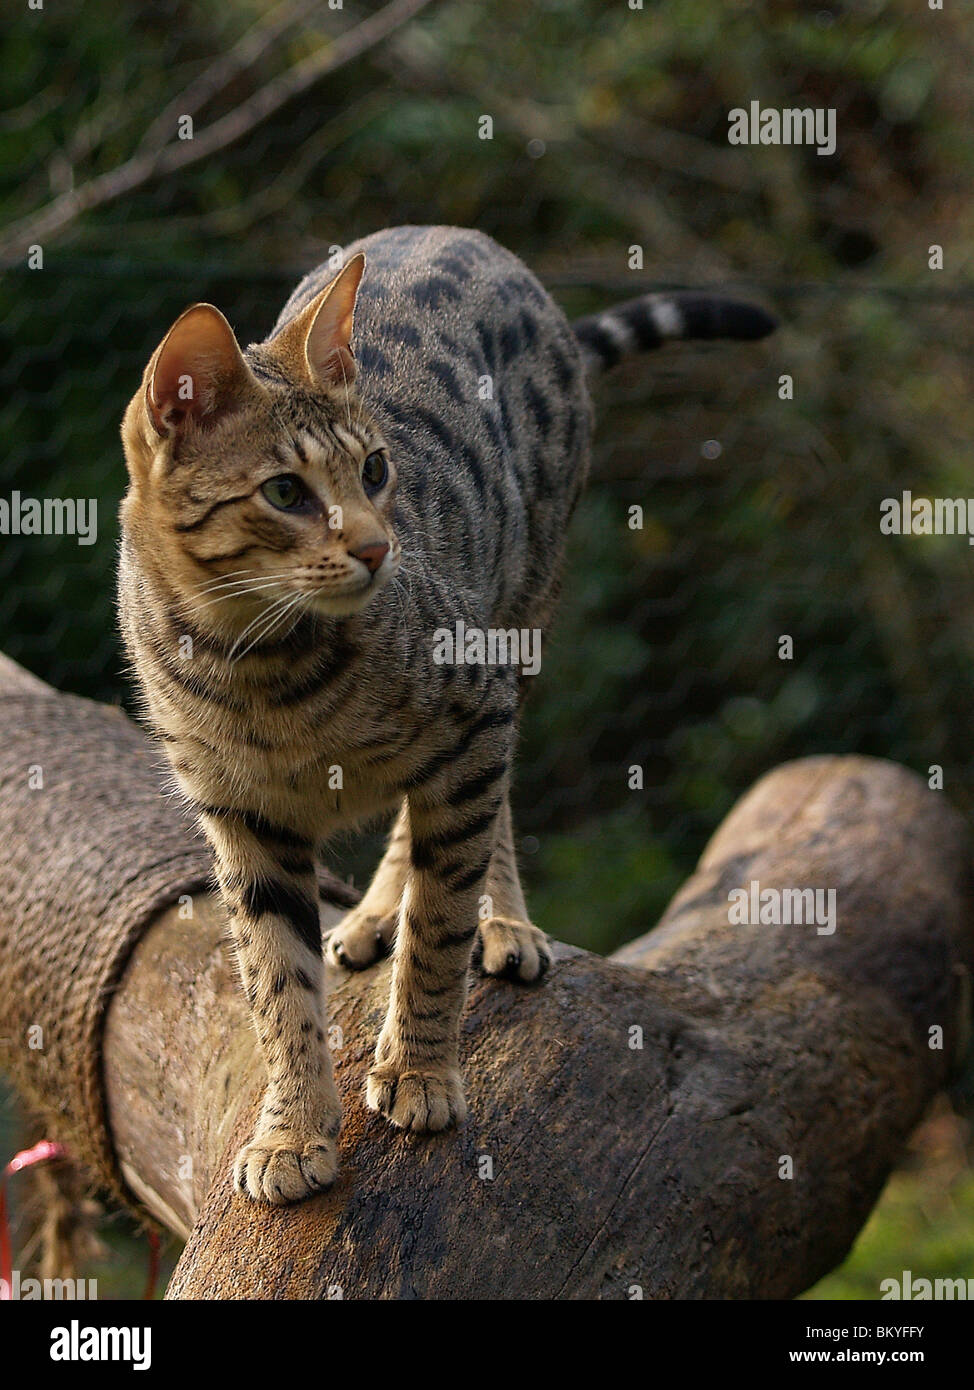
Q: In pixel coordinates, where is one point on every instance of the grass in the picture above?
(924, 1221)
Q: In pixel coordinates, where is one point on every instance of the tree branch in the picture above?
(709, 1114)
(247, 51)
(48, 222)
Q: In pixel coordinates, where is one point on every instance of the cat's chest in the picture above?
(321, 774)
(328, 738)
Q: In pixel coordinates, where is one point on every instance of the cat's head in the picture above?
(259, 478)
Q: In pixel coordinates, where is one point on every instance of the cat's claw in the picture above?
(511, 950)
(279, 1171)
(360, 940)
(416, 1100)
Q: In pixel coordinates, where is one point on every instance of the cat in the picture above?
(301, 518)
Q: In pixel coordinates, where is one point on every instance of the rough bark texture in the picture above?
(93, 847)
(589, 1164)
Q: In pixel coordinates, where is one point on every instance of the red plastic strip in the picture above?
(40, 1153)
(154, 1246)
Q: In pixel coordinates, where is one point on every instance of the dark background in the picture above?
(761, 516)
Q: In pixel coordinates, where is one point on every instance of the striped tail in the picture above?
(639, 325)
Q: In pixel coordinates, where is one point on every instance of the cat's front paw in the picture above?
(511, 949)
(360, 939)
(416, 1100)
(286, 1168)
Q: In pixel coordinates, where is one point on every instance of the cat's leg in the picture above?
(367, 932)
(415, 1081)
(509, 944)
(267, 880)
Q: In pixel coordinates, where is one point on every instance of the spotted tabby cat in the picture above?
(299, 524)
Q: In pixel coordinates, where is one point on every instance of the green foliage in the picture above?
(926, 1227)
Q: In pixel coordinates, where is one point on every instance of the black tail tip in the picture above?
(745, 321)
(714, 316)
(754, 322)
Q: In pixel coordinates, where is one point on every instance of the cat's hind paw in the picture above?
(285, 1169)
(360, 939)
(511, 950)
(416, 1100)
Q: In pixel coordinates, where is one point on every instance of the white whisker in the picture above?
(253, 592)
(222, 578)
(233, 654)
(238, 583)
(402, 597)
(274, 617)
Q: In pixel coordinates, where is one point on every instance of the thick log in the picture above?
(710, 1114)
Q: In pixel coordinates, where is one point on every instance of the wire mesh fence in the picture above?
(237, 143)
(751, 611)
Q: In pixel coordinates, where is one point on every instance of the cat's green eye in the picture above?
(375, 471)
(285, 492)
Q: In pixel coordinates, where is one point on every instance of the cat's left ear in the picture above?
(198, 372)
(317, 343)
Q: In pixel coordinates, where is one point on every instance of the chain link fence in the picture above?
(753, 612)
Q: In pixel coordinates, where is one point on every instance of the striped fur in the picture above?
(640, 325)
(286, 658)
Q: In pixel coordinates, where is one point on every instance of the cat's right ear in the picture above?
(315, 346)
(197, 373)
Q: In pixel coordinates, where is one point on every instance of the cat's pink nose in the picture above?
(371, 555)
